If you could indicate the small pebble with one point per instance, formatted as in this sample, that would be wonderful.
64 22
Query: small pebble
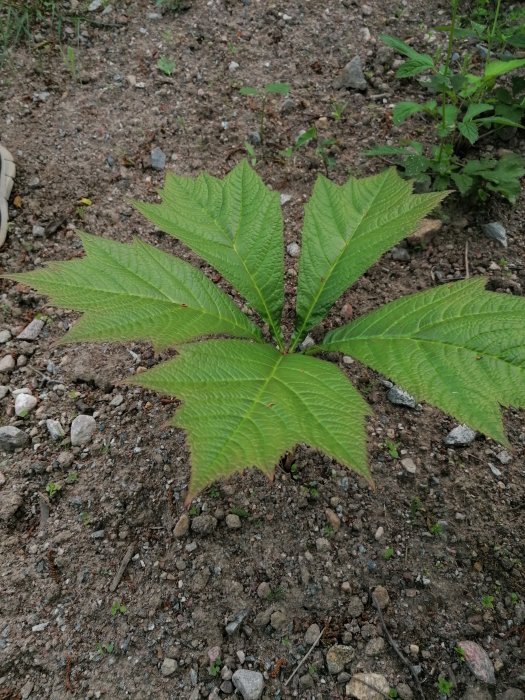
379 533
24 404
7 364
182 527
82 429
250 684
311 634
400 397
5 336
460 436
158 158
55 429
169 666
11 438
409 465
233 522
496 231
293 250
32 331
203 524
381 596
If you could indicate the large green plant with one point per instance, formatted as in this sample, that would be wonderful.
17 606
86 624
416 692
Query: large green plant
247 399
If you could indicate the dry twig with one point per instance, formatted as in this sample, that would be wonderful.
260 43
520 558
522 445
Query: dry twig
301 662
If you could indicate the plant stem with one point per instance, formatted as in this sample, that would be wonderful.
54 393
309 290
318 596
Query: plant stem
493 31
450 46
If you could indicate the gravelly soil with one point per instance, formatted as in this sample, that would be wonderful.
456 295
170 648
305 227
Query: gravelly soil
311 546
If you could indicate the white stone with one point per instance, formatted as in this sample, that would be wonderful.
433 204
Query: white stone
24 404
32 330
169 666
250 684
82 429
293 250
55 429
368 686
5 336
7 363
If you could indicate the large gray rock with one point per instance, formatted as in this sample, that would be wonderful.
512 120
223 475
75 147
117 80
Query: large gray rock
460 436
250 684
11 438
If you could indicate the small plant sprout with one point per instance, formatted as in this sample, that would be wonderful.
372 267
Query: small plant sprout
166 65
249 388
214 668
338 110
460 652
444 686
514 598
240 512
392 448
388 553
263 94
53 489
250 150
72 477
436 529
118 608
104 648
487 601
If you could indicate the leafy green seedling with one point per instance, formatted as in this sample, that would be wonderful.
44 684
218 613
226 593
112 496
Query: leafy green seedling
53 489
388 553
240 512
338 110
105 648
444 686
72 477
487 601
248 392
276 594
118 608
214 669
514 598
392 448
460 652
436 529
263 94
166 65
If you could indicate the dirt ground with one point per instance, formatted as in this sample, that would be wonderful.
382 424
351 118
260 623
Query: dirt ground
446 539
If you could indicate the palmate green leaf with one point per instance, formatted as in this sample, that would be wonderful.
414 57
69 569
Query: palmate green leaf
457 346
245 404
136 292
346 229
236 225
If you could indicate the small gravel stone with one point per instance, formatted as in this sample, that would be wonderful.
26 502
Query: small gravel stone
337 657
233 522
351 76
263 590
4 390
400 397
9 503
11 438
504 457
379 533
496 231
158 159
237 621
409 465
404 691
226 687
322 544
2 479
233 66
82 429
203 524
5 336
117 400
254 137
279 621
460 436
7 364
169 666
55 429
32 331
375 646
306 681
182 527
287 106
513 694
368 686
400 254
333 519
311 634
24 404
381 595
39 231
250 684
355 606
293 250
